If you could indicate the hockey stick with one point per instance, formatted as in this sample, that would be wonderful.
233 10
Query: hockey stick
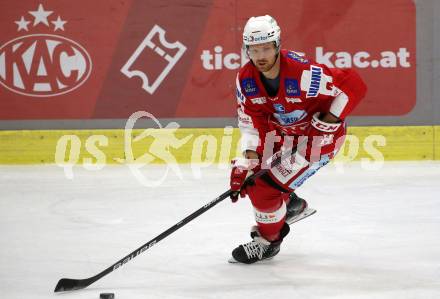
68 284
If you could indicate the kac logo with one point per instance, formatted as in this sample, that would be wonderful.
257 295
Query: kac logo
43 65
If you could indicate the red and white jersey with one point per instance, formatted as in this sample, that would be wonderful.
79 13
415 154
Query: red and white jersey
305 88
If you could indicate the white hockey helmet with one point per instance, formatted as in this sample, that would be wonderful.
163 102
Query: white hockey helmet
260 30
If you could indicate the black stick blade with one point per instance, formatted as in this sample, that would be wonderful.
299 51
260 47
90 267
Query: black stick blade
67 284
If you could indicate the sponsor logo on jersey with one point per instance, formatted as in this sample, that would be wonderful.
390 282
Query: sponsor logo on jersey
261 100
249 86
240 96
279 108
315 81
291 117
293 100
292 87
295 56
243 118
43 64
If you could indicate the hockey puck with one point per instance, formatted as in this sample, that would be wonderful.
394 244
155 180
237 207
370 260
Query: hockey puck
107 296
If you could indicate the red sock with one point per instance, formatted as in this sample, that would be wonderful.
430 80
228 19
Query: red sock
270 208
270 222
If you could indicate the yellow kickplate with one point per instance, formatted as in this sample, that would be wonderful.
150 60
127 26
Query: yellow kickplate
211 145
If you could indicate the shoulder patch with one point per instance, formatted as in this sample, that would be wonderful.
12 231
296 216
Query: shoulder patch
295 56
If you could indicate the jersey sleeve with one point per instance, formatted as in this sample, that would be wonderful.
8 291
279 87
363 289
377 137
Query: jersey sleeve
252 122
352 90
344 87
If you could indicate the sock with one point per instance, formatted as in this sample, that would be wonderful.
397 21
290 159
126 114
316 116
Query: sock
271 221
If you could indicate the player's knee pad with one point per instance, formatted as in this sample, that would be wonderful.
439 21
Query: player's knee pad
265 197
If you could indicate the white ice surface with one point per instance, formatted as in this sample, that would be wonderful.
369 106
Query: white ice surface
376 235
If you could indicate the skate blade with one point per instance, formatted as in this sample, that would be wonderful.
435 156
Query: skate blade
306 213
234 261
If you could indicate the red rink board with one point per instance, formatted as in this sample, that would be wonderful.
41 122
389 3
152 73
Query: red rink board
112 58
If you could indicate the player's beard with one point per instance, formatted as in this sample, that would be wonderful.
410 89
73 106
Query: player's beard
264 65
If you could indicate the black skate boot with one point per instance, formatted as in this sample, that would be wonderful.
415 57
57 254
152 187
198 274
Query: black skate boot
259 248
297 209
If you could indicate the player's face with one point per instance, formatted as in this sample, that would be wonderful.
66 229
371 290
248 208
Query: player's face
263 56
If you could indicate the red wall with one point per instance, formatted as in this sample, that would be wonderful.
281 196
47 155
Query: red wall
81 69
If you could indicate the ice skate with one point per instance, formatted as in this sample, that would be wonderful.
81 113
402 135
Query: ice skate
258 249
297 209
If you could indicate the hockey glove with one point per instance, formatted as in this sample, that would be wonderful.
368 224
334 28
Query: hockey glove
324 138
242 168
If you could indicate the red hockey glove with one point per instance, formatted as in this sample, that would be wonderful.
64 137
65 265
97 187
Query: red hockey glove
324 139
242 168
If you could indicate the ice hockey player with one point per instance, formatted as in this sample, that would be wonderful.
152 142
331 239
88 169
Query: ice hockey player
285 100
